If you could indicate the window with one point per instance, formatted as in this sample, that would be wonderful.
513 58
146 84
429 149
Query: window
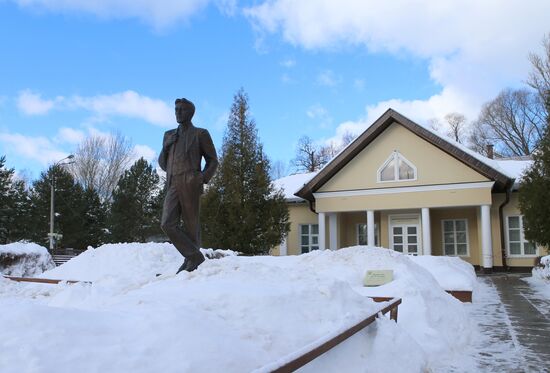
396 168
517 244
362 237
455 237
309 237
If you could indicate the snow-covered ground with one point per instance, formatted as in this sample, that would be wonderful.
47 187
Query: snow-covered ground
233 314
24 259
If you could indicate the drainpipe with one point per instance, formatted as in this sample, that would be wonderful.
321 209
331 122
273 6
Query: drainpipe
509 187
311 207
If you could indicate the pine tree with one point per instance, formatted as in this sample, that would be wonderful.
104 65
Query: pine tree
14 206
241 210
95 219
533 198
70 209
5 199
134 210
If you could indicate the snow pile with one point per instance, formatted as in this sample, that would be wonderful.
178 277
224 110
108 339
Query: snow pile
24 259
452 273
542 270
233 314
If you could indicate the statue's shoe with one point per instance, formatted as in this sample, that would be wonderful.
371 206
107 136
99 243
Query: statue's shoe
194 262
183 266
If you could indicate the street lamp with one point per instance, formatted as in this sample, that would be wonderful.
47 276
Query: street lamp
52 187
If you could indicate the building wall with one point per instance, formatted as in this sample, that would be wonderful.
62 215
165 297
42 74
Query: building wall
409 200
433 165
299 213
347 234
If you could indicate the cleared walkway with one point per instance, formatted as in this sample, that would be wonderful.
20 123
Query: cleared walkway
515 326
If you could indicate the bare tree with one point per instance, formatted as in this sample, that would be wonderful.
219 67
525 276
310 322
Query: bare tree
308 156
100 161
513 121
539 77
278 169
458 126
347 138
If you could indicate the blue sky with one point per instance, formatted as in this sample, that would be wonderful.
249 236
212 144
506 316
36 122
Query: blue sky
69 69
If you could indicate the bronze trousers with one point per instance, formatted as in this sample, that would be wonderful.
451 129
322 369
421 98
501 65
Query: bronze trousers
183 201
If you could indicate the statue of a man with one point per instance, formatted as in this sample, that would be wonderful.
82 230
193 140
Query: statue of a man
182 151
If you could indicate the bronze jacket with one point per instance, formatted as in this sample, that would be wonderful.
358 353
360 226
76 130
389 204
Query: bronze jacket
185 156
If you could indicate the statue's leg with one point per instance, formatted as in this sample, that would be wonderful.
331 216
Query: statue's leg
171 212
189 195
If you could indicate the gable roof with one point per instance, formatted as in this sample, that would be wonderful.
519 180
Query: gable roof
485 166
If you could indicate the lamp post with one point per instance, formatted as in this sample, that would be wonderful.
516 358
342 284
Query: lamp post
52 198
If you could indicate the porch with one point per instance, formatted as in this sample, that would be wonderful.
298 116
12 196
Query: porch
463 231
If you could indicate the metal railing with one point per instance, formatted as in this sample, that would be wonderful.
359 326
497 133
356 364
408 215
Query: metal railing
298 359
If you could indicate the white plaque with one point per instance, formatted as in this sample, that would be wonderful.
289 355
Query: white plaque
378 277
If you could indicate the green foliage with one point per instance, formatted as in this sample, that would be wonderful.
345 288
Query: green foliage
14 206
534 198
240 209
136 205
70 209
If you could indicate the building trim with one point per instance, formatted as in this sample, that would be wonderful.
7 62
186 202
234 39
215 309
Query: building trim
410 189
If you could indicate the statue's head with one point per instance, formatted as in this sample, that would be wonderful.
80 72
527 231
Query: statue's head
184 110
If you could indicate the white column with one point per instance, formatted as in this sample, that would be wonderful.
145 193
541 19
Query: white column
333 230
426 232
370 227
283 249
322 244
486 240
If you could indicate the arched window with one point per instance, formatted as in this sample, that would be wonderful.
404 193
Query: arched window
396 168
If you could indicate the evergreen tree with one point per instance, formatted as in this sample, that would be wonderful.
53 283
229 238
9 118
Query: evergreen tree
533 199
134 210
14 206
95 219
69 206
241 210
5 199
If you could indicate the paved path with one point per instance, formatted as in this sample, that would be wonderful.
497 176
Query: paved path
515 326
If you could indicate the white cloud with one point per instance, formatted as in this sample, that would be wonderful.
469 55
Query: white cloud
146 152
159 13
288 63
359 84
69 135
473 48
128 104
39 149
321 115
31 103
328 78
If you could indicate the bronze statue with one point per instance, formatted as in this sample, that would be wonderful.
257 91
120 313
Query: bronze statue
182 151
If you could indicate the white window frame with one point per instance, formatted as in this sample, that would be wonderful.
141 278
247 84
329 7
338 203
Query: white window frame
395 155
310 235
376 234
467 255
522 239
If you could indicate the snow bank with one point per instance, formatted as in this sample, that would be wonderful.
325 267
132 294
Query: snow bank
540 281
233 314
452 273
542 271
24 259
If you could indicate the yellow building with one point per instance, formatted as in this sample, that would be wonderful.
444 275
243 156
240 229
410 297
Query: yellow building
401 186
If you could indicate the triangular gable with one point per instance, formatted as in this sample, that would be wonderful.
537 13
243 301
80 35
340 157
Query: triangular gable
380 125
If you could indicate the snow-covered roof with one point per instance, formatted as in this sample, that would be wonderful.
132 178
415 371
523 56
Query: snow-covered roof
291 184
515 168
